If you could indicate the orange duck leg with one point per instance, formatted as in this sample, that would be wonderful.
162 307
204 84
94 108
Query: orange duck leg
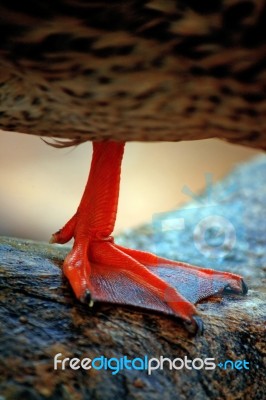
100 270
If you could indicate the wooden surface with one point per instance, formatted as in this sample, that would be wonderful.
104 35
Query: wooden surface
39 317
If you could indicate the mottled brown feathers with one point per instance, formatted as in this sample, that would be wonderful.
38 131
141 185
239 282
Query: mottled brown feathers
134 70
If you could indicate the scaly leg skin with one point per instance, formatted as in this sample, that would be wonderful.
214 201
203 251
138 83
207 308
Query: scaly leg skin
100 270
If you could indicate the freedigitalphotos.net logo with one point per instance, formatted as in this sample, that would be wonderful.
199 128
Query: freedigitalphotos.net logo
207 222
145 363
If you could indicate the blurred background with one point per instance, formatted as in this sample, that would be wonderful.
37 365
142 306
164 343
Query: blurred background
41 186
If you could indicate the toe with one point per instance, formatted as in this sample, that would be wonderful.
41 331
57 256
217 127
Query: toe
195 325
238 287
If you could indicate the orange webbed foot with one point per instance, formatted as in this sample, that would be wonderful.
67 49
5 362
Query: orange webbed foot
100 270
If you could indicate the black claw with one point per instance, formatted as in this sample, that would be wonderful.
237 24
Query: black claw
244 287
86 298
195 326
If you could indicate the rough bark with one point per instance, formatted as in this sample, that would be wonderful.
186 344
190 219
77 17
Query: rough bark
39 317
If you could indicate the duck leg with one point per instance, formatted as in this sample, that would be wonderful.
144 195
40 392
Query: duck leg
100 270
